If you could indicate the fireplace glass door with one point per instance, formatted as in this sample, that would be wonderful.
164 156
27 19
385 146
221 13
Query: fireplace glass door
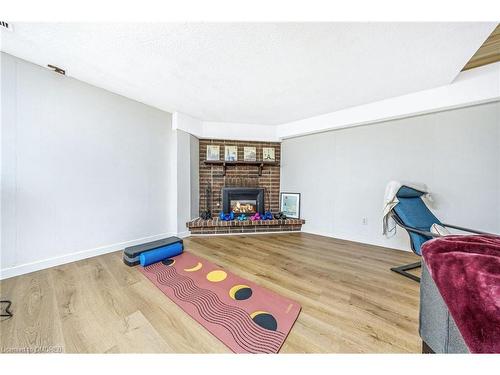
243 200
244 206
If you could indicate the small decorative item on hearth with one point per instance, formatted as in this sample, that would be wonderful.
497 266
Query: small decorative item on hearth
207 214
280 216
255 217
226 217
290 204
267 216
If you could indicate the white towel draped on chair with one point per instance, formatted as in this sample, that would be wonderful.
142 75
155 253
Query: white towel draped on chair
390 201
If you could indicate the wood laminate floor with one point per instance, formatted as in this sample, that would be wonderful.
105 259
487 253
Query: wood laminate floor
351 301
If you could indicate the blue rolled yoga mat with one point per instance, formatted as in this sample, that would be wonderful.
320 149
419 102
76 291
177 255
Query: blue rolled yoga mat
157 255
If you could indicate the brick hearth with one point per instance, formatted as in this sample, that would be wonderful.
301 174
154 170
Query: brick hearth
217 226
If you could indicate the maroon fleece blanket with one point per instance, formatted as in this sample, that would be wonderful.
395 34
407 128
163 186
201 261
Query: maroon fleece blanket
466 270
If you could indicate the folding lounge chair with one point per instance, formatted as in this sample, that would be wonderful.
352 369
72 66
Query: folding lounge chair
414 216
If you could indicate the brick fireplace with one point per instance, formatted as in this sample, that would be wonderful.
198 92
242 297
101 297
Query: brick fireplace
252 186
241 175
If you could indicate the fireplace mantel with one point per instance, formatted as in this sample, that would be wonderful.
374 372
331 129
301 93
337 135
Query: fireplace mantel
225 164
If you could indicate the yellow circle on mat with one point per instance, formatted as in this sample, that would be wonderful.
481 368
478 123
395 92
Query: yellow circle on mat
216 276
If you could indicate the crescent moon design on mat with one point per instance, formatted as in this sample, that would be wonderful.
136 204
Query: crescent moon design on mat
240 292
195 268
265 320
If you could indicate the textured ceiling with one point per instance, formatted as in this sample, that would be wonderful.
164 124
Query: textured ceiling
264 73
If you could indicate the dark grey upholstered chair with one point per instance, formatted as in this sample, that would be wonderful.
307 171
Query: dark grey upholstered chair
437 328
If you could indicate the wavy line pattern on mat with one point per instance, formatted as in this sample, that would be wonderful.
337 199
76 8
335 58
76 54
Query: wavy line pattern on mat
246 333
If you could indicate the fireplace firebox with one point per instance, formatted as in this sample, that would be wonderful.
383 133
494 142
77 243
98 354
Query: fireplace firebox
242 200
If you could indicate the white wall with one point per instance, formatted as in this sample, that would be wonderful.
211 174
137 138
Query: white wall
342 174
183 181
188 124
195 176
84 171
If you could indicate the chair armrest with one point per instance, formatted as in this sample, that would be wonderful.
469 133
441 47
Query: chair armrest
464 229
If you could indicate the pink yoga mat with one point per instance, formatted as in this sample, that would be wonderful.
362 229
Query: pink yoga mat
244 316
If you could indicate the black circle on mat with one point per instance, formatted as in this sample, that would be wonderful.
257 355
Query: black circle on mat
242 294
266 321
167 262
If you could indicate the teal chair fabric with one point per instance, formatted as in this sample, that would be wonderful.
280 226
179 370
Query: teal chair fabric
413 212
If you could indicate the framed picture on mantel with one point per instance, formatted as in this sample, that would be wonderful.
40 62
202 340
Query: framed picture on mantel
290 204
213 152
249 153
231 153
268 154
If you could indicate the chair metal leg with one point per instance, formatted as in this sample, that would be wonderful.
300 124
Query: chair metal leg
426 349
402 270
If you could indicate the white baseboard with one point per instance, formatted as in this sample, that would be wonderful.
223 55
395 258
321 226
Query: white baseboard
375 243
184 234
22 269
